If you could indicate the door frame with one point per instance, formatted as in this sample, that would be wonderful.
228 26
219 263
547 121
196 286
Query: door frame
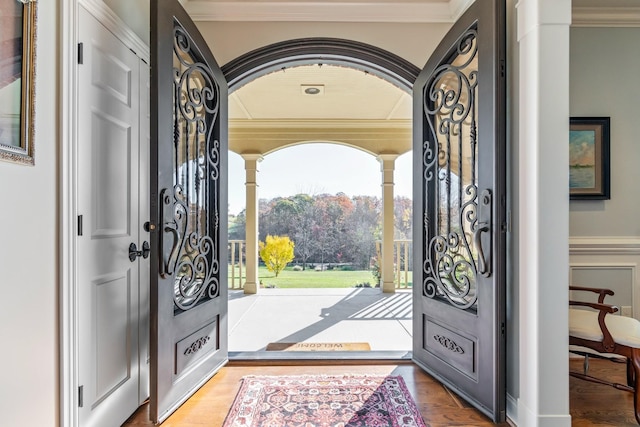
312 51
67 181
320 50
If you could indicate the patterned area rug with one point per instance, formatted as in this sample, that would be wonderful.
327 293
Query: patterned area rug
324 401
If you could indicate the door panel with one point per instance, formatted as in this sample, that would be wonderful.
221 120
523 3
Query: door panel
108 282
460 220
189 210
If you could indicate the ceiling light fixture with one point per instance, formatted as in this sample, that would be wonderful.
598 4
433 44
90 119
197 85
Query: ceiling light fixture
312 89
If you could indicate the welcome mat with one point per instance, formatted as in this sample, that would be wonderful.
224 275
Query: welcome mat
318 346
323 401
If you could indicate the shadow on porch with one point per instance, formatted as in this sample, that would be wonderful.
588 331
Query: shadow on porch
382 320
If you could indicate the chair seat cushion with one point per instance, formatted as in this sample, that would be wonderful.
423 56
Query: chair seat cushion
584 324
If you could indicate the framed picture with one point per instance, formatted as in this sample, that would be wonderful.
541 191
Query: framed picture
17 72
589 158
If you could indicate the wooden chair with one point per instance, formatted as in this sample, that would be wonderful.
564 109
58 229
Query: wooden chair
595 332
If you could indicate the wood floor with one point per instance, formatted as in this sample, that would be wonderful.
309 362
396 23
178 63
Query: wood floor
599 405
591 404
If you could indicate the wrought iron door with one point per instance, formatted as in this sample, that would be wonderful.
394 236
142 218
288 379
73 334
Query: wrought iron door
188 205
460 220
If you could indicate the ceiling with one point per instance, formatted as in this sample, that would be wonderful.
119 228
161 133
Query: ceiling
351 107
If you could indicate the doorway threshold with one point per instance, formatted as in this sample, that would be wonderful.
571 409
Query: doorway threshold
285 356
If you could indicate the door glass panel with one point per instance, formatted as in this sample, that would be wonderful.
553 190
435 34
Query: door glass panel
451 170
196 154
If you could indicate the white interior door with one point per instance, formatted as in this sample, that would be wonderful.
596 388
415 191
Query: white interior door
109 316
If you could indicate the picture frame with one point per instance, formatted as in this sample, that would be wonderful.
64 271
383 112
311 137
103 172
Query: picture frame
17 80
589 158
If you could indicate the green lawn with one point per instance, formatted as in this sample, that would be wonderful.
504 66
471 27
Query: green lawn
314 279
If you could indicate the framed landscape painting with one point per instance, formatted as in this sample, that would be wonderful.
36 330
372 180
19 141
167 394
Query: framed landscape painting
17 72
589 158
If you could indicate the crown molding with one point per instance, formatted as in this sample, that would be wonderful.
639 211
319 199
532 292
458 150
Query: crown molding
280 11
458 7
606 17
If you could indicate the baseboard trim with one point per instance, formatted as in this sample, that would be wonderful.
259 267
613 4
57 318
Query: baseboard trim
512 410
527 418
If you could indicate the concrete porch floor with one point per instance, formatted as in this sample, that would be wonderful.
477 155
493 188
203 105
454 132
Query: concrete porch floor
320 316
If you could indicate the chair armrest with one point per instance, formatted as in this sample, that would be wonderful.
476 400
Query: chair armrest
597 306
603 310
603 292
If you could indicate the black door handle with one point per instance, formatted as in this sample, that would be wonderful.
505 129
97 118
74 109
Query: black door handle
135 253
484 226
483 267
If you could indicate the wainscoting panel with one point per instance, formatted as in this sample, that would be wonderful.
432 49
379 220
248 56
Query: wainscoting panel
608 262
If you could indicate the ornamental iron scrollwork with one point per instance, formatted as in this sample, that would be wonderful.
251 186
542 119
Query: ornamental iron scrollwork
448 343
193 260
197 345
450 175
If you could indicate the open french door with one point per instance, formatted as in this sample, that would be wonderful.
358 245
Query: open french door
188 210
460 210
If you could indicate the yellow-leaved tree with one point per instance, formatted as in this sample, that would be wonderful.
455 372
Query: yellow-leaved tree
276 252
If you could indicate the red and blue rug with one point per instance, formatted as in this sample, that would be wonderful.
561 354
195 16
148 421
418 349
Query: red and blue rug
323 401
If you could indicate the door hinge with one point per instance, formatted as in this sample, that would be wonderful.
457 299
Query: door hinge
79 225
81 396
80 53
502 328
503 68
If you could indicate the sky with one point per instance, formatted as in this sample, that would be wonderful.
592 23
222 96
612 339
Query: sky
315 169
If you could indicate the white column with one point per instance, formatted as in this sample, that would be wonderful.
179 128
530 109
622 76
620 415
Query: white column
542 211
387 162
251 237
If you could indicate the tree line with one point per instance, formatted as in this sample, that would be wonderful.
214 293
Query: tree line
325 228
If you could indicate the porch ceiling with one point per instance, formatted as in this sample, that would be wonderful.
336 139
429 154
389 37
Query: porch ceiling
353 107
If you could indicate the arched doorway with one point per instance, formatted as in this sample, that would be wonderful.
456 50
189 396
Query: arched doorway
335 54
334 65
317 50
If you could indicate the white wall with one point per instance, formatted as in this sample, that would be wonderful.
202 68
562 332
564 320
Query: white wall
605 63
28 263
413 42
605 234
